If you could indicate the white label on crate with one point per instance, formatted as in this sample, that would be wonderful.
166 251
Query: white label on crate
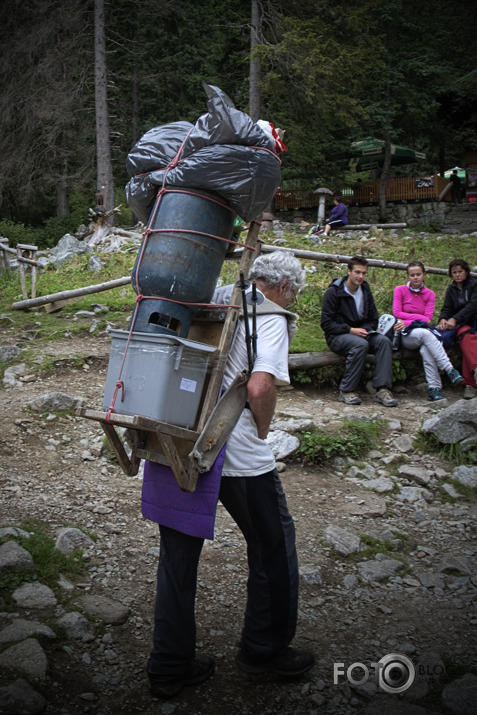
188 385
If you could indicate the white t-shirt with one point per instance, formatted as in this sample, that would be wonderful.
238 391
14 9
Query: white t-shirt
247 455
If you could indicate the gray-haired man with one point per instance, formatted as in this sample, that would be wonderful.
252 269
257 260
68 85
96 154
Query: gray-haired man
251 491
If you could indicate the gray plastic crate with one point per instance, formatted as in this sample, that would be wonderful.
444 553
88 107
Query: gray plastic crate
163 376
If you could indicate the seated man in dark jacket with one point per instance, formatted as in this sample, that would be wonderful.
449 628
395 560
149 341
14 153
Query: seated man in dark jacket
348 319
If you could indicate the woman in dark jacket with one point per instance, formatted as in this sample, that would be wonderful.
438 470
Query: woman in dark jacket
460 311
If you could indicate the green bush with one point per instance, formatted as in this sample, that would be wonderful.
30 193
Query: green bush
355 439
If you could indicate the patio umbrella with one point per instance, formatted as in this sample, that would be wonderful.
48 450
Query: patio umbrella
369 154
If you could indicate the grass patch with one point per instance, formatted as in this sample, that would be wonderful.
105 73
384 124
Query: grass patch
452 453
49 562
355 439
469 493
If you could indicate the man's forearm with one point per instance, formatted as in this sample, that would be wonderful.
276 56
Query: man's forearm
262 398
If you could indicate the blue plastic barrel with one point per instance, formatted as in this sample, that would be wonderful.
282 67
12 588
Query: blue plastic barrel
182 258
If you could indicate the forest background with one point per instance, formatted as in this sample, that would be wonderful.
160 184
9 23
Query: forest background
82 81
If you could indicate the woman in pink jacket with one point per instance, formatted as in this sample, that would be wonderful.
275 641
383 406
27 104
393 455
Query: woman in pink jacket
414 302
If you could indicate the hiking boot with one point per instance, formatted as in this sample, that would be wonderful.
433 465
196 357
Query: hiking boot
454 376
469 392
201 668
435 393
290 663
385 397
349 398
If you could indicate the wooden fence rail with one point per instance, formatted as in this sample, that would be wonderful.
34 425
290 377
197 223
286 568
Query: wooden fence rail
414 189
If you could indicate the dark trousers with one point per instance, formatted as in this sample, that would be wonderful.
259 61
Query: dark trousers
356 349
258 505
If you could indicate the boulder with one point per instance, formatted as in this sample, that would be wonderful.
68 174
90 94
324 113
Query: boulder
455 423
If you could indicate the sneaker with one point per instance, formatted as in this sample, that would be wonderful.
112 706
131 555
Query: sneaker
290 663
201 668
435 393
349 398
469 392
454 376
385 397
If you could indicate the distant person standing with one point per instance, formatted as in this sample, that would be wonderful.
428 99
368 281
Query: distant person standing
455 191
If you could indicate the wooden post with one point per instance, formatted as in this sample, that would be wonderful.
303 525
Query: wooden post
25 251
4 255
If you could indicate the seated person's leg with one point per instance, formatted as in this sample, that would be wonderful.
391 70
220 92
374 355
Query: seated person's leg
355 350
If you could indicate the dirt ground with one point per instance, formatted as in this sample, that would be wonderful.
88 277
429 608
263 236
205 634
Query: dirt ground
45 474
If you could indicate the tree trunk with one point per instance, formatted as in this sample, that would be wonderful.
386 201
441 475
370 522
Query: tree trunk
254 86
103 149
382 180
62 202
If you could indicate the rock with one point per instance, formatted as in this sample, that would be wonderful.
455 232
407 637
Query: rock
342 541
451 491
55 402
9 353
34 595
95 264
413 494
371 506
311 574
460 696
416 474
20 629
105 609
69 539
430 672
14 557
431 580
465 475
403 443
12 373
350 581
457 563
19 698
67 248
379 570
294 412
292 425
282 444
455 423
76 625
380 485
365 472
14 531
27 658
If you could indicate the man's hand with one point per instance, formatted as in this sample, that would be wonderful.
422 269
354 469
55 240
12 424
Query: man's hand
262 398
450 324
360 332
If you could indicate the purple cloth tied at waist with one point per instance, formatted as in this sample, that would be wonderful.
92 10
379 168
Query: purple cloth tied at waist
164 502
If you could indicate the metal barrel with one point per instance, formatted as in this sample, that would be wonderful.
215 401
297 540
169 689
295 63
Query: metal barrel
182 258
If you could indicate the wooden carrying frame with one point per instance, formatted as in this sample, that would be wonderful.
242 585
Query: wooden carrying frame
188 452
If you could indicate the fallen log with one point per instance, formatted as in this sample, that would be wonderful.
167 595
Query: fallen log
306 361
367 226
21 259
337 258
68 294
